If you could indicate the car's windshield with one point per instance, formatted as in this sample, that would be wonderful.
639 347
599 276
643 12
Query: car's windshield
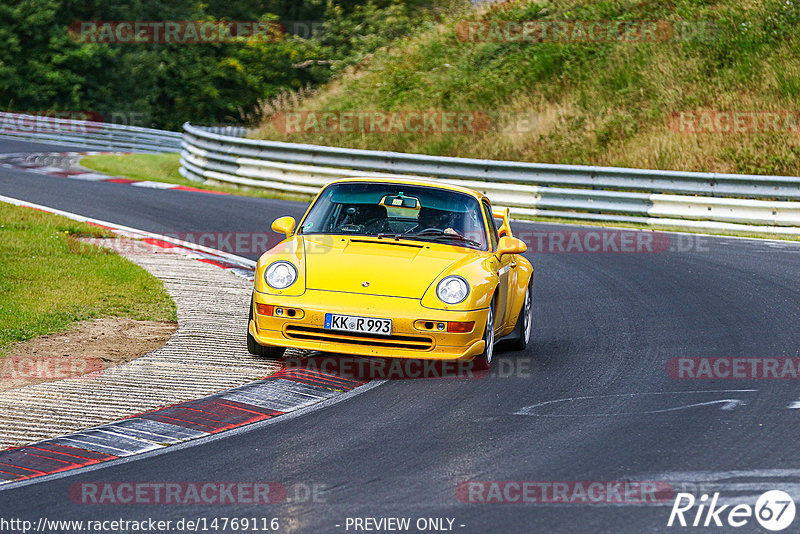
398 211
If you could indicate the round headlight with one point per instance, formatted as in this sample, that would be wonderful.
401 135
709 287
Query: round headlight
280 275
452 289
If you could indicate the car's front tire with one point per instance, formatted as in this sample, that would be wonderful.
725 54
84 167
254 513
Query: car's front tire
254 348
484 360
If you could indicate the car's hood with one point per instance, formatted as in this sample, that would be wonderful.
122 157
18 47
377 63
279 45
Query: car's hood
393 268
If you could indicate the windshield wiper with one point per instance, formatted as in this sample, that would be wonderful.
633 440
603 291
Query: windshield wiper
396 237
429 234
383 235
436 234
460 238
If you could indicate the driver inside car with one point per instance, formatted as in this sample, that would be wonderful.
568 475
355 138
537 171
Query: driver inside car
430 218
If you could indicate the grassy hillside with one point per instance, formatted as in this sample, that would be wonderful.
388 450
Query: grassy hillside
606 103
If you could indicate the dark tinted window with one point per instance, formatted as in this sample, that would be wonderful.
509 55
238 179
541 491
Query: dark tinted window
402 210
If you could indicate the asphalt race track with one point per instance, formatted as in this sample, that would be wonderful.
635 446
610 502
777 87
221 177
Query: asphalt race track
591 398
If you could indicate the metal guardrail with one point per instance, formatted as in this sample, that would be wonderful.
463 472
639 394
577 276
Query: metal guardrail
682 199
691 200
711 184
231 131
93 135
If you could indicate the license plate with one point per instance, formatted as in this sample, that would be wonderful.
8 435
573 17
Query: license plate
353 323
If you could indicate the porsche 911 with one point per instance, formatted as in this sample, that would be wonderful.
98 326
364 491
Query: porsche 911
393 268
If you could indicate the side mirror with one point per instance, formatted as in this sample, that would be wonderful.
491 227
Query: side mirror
284 225
510 245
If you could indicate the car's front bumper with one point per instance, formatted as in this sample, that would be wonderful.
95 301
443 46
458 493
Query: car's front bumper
409 339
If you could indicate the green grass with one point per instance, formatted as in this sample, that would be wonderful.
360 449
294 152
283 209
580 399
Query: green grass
155 167
49 280
596 103
164 168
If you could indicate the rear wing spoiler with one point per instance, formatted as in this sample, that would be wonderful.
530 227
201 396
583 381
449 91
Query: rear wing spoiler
503 214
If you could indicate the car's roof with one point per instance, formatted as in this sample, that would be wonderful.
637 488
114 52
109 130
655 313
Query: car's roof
412 181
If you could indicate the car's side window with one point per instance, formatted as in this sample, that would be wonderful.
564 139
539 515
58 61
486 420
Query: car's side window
487 212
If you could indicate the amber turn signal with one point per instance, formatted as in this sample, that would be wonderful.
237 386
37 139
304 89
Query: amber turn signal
460 327
264 309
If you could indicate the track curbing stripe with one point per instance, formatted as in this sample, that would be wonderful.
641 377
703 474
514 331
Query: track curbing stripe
257 401
289 390
21 162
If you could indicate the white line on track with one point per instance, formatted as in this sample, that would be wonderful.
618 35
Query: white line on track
133 232
136 233
200 441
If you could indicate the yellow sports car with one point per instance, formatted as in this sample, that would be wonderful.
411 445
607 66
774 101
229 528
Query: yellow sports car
393 268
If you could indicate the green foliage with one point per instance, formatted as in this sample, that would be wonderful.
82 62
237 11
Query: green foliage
42 69
605 102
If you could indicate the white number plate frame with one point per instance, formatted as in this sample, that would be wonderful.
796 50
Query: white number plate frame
355 323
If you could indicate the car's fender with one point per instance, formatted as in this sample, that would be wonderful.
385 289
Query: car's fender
479 273
524 275
291 250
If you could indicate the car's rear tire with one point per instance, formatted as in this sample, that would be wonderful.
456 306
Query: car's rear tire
254 348
522 330
484 360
